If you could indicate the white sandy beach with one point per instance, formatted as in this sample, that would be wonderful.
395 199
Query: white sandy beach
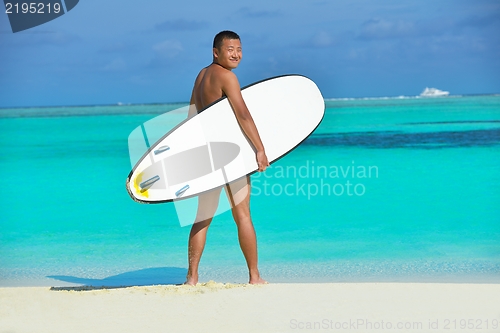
217 307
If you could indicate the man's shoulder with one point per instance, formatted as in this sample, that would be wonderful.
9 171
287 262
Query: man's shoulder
200 75
218 76
225 76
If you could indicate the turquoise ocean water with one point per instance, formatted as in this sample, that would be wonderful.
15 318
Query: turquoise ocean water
403 189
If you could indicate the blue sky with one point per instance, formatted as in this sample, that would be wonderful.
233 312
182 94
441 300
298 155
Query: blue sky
105 52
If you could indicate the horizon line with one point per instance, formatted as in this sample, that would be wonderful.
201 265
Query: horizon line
329 99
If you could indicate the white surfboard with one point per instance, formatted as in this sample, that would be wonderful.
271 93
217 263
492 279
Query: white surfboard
210 149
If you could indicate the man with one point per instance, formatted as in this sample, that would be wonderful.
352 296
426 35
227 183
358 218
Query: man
213 82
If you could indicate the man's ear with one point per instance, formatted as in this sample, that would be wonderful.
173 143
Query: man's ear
215 53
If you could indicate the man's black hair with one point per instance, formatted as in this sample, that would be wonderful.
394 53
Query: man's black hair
226 34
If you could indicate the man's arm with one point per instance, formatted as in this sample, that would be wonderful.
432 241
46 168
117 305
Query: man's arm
231 87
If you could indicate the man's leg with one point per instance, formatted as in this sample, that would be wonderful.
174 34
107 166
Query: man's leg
207 206
239 194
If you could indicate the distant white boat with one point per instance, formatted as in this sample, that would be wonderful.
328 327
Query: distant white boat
433 92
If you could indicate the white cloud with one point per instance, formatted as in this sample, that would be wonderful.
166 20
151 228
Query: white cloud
379 28
168 48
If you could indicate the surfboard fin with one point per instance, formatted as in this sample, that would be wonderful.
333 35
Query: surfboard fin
181 191
161 149
145 185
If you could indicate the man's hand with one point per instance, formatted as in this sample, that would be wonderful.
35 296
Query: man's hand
262 161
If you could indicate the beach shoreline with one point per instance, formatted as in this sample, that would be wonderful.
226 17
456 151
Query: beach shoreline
279 307
359 271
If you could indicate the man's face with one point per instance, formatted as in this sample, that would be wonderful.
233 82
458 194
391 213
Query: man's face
230 54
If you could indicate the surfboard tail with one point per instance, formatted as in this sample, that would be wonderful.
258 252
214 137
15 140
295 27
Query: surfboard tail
127 186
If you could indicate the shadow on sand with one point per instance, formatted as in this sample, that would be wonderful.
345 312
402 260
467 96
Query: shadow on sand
142 277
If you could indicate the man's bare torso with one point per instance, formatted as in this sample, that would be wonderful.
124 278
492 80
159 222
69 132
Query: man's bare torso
208 86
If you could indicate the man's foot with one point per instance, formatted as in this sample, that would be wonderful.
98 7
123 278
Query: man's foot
257 280
191 280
